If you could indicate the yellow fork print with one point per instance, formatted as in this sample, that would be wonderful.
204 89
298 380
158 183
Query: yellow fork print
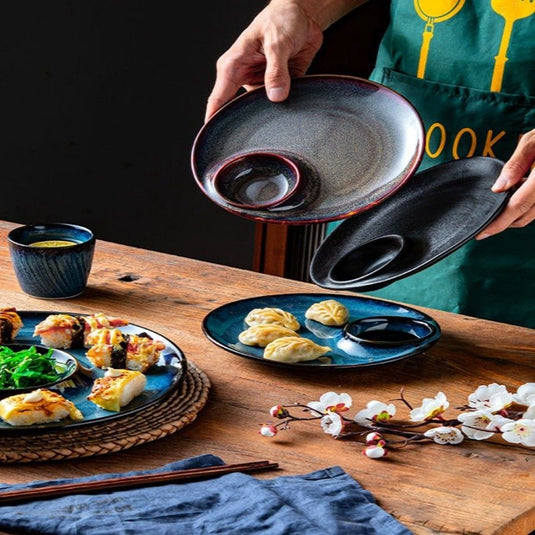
511 11
433 11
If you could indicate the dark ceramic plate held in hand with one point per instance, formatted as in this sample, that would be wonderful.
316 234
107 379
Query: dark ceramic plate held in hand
435 213
355 143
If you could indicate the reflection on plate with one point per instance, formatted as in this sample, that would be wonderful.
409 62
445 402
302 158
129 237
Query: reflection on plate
355 142
389 330
162 378
223 325
65 366
438 210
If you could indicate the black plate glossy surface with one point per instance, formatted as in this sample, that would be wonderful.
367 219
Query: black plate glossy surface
355 142
434 214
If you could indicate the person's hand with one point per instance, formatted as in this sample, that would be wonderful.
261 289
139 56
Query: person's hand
518 171
280 43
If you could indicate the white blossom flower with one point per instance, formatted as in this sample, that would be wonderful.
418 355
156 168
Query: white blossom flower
525 395
376 412
332 424
493 397
375 452
530 413
331 402
520 432
484 417
482 424
498 421
430 408
445 435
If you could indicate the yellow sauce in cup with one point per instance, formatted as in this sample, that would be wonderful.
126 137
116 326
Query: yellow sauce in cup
52 243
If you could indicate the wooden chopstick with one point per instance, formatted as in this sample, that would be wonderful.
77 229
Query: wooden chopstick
53 491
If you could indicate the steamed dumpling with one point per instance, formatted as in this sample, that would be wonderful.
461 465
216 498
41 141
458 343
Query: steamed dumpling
264 333
275 316
294 349
329 312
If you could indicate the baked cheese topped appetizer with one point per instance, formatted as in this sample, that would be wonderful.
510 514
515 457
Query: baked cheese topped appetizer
64 331
117 388
111 348
10 324
40 406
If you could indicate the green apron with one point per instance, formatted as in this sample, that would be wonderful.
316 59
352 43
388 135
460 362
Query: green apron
469 71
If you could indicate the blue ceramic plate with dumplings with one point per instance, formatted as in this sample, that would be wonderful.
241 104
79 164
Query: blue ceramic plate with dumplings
398 331
355 143
162 378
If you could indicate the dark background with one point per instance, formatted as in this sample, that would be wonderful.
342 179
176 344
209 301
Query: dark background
101 105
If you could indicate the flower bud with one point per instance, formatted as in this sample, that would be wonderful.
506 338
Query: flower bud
373 438
375 452
278 411
268 430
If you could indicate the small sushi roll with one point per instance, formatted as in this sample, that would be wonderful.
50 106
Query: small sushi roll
40 406
117 388
10 324
64 331
142 352
111 348
60 331
107 348
100 320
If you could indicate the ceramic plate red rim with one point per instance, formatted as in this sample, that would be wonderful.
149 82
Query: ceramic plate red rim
356 142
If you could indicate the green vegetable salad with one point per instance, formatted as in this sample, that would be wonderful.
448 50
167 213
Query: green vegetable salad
28 367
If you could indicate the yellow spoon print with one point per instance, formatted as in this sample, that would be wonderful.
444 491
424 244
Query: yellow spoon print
433 11
511 11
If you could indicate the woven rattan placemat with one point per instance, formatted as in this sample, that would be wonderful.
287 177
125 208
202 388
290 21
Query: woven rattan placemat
174 412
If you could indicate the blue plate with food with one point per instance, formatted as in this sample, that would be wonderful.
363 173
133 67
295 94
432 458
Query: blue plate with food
115 369
316 330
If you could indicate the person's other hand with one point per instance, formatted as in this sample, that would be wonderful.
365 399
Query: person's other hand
280 43
518 171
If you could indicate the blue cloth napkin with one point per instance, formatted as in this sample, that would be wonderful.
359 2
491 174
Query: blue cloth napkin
324 502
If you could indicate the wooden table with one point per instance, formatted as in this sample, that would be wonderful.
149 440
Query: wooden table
475 487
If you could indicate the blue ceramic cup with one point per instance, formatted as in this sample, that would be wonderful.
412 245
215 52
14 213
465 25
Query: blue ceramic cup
52 260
